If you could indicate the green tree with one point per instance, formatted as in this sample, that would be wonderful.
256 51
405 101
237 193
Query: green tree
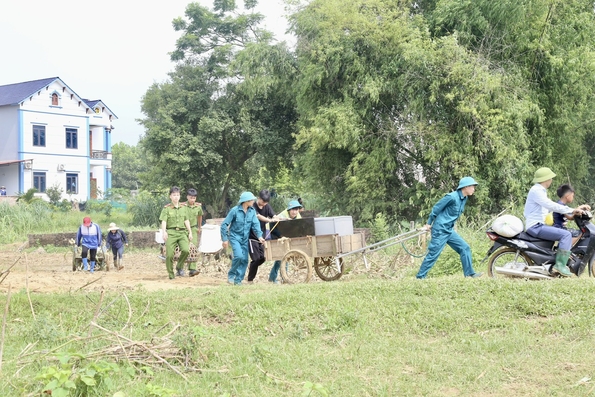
127 164
207 126
398 100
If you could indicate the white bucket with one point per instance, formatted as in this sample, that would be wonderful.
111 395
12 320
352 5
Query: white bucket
210 239
159 237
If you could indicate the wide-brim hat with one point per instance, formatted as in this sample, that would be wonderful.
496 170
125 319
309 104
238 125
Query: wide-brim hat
293 204
86 221
542 175
112 226
246 196
467 181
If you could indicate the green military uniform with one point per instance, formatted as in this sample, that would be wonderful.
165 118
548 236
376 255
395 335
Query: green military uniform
193 213
177 235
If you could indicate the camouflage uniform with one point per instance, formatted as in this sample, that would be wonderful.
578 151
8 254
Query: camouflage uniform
177 235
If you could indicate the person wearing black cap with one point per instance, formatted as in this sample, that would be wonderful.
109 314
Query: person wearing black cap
2 191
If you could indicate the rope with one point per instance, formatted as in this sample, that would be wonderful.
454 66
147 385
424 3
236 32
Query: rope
413 255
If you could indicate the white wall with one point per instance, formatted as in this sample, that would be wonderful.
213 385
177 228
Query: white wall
9 177
70 112
49 165
38 110
68 102
9 133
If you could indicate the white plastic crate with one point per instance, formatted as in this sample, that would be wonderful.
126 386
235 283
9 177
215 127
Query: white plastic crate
341 225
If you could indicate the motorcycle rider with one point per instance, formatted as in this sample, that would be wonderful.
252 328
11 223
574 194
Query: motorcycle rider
566 194
537 206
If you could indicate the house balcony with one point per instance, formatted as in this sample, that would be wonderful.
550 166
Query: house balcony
101 157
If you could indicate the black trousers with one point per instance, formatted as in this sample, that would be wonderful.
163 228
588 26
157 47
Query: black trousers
92 251
257 256
254 268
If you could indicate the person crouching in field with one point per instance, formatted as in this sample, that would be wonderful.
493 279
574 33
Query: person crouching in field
235 230
89 234
442 221
175 229
116 240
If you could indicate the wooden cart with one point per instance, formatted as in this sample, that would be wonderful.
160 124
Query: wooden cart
102 259
299 255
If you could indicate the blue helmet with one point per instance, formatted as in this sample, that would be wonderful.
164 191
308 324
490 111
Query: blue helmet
246 196
293 204
466 181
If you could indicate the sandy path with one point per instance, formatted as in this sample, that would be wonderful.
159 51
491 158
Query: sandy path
52 272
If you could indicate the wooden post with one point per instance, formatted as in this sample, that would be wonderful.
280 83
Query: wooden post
412 227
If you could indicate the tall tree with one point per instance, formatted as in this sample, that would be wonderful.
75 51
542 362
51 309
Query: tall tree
127 165
208 124
398 100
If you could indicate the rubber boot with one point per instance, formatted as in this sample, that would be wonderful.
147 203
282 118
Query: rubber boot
92 266
561 261
85 264
120 266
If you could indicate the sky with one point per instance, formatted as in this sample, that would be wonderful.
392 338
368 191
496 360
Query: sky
112 50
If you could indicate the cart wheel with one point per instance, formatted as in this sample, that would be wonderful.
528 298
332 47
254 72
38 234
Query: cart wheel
326 268
296 267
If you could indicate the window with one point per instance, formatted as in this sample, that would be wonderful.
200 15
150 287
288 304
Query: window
72 138
39 181
39 135
55 99
72 183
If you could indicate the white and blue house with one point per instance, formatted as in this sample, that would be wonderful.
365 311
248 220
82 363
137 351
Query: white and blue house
50 136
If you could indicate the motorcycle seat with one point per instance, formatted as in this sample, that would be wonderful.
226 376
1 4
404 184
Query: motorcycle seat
524 236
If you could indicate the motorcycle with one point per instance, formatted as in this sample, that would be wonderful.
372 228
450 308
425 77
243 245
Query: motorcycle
524 256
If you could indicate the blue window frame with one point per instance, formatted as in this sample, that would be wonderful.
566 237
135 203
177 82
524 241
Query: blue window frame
72 183
39 135
72 138
39 181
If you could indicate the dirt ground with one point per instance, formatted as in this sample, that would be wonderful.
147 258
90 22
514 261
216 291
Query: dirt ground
52 272
46 272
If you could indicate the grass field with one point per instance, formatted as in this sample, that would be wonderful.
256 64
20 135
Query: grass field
372 333
446 336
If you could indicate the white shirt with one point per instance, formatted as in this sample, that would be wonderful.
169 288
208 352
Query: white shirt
538 205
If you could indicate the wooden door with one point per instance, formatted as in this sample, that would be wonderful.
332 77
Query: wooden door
94 188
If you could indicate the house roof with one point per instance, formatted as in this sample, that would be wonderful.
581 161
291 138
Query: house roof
6 162
93 102
13 94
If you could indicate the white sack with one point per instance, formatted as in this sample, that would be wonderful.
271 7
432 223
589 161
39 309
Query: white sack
507 225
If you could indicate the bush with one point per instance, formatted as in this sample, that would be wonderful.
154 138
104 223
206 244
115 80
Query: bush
103 206
146 208
379 228
54 193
